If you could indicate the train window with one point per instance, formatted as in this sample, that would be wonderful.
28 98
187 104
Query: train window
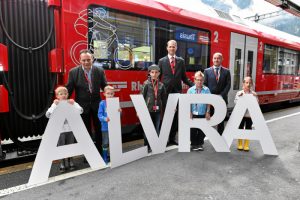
270 59
279 60
192 46
126 41
237 69
121 41
249 65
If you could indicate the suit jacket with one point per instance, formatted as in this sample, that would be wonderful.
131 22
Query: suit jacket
77 81
223 85
172 81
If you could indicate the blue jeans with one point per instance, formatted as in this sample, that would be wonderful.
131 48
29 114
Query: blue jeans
105 141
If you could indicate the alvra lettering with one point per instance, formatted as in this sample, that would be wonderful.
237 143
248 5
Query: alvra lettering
48 150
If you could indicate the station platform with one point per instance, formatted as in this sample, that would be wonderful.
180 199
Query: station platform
175 175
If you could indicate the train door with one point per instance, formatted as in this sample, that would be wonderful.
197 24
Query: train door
243 57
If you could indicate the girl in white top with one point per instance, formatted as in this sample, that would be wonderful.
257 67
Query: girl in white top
66 137
246 122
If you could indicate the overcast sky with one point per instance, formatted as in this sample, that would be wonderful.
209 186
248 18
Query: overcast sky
242 8
246 8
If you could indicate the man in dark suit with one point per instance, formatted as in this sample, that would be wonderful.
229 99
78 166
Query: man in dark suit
87 80
172 70
218 80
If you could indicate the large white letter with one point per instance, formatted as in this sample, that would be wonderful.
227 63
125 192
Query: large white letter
158 144
117 157
260 131
186 123
48 150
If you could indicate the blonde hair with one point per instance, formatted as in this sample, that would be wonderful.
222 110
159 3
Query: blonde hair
61 89
109 87
248 77
199 73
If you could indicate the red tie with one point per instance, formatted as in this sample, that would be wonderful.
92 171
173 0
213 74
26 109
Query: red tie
173 64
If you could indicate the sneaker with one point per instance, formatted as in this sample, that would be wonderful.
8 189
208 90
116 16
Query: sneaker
200 148
194 148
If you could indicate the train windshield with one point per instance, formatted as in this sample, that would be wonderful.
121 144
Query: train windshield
126 41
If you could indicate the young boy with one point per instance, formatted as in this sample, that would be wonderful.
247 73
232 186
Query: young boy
66 137
154 93
246 121
198 111
104 119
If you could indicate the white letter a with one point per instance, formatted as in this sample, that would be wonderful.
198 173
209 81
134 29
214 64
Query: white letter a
48 150
260 131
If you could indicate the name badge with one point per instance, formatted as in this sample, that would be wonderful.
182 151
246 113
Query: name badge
155 108
195 113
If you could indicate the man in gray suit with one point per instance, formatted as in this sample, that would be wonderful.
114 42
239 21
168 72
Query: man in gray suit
218 80
172 70
87 80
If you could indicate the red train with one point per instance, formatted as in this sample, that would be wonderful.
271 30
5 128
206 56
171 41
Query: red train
126 36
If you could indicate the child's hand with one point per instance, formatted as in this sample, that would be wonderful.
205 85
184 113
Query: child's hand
254 94
71 101
56 101
107 119
207 115
120 109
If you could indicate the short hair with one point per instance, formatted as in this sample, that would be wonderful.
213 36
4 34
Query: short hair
219 54
84 51
248 77
153 67
109 87
199 73
174 41
60 89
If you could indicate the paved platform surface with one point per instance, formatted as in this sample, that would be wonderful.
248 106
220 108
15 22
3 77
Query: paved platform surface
195 175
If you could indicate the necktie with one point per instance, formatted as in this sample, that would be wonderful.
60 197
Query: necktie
217 73
86 74
173 64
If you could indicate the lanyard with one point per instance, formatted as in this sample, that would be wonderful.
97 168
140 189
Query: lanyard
198 91
155 88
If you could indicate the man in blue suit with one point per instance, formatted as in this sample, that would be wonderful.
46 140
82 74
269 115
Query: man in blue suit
218 80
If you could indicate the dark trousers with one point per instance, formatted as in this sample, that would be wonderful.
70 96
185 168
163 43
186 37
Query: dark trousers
220 127
174 127
87 118
246 123
155 117
197 135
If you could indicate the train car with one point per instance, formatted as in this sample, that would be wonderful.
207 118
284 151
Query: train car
40 43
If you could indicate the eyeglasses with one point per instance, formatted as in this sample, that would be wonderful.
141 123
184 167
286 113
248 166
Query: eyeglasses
201 80
62 93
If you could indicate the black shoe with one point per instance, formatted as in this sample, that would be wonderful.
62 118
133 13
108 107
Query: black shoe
3 156
71 165
62 168
85 161
173 142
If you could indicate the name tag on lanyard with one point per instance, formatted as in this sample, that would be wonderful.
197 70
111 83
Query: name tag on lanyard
155 88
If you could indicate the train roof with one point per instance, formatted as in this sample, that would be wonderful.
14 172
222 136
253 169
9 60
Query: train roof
199 8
